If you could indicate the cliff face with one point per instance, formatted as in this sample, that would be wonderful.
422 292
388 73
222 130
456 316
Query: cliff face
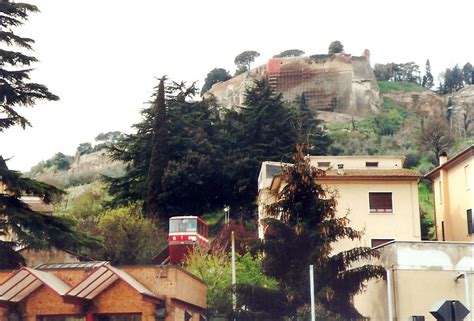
338 83
425 103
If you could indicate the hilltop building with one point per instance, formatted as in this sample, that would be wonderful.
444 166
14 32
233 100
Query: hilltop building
454 196
338 83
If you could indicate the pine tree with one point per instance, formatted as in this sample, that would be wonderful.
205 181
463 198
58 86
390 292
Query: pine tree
31 229
428 77
159 154
303 234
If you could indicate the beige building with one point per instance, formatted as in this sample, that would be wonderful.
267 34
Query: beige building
454 196
419 275
378 195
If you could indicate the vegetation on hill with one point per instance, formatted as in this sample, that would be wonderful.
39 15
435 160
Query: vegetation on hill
391 86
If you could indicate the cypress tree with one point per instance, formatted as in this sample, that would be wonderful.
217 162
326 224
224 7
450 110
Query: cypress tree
159 154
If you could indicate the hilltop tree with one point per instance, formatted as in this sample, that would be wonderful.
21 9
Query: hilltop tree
428 77
290 53
301 229
335 47
31 229
244 59
453 80
213 77
468 74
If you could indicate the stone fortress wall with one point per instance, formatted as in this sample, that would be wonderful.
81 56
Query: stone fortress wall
337 83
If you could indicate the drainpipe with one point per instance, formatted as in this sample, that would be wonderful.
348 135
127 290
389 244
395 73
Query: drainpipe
390 294
466 292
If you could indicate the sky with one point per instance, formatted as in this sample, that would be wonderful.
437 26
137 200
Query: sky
102 57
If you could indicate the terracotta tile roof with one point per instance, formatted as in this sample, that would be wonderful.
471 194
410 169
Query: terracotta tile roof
373 173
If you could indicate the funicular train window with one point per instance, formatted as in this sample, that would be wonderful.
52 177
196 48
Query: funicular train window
174 226
118 317
61 318
191 225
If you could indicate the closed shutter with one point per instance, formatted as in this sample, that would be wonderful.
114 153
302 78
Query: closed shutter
470 222
380 202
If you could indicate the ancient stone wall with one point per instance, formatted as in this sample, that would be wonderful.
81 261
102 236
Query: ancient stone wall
338 83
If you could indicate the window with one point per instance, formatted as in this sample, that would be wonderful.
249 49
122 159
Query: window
60 318
118 317
470 222
324 164
380 202
378 242
467 177
371 164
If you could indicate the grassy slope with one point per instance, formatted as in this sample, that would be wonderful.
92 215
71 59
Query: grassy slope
390 86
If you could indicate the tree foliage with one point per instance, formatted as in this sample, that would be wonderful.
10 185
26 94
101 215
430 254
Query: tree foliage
335 47
214 267
290 53
436 135
406 72
244 59
213 77
427 81
304 233
31 229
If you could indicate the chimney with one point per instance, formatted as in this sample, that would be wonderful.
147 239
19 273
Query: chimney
340 169
443 158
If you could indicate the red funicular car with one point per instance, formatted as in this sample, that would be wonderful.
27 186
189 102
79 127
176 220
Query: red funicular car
184 234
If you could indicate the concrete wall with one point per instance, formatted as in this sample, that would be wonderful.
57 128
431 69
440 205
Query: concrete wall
359 162
423 273
353 200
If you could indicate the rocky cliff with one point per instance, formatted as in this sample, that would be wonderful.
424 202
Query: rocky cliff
337 83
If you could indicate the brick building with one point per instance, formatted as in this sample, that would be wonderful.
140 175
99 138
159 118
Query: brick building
97 291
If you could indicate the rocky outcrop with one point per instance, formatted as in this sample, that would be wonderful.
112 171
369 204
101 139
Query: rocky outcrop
425 103
335 83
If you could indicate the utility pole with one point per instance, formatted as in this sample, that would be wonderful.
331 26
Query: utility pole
234 278
311 286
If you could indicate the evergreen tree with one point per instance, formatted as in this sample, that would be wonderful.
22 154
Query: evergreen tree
304 233
428 77
213 77
191 179
468 73
30 228
308 128
159 154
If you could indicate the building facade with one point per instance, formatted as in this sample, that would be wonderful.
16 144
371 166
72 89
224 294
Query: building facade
454 196
377 194
97 291
419 276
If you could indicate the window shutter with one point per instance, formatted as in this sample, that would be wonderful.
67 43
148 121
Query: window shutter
380 202
470 223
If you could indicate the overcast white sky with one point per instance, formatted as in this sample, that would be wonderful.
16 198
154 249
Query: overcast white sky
101 57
